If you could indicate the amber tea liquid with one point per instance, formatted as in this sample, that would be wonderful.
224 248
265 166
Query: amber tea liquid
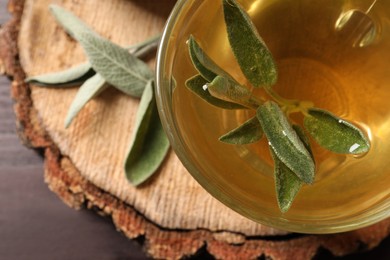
333 53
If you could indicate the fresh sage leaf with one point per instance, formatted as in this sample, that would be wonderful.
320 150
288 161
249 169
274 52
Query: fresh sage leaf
285 142
90 89
198 85
114 63
287 184
149 144
334 133
228 90
66 78
78 74
304 138
250 51
247 133
121 69
203 63
196 51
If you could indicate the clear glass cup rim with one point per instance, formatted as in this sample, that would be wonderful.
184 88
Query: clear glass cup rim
381 212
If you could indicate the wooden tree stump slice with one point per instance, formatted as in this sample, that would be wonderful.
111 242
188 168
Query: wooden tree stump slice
83 164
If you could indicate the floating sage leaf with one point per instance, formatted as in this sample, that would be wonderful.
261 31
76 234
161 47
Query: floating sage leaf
90 89
287 184
66 78
198 85
228 90
334 133
304 138
247 133
149 144
114 63
201 61
253 56
285 142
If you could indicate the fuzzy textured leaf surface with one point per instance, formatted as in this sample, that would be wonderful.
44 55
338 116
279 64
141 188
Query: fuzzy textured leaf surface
285 142
228 90
287 184
198 85
304 138
253 56
66 78
149 144
201 61
90 89
335 134
114 63
247 133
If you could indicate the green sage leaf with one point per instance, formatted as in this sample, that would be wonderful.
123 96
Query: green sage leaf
247 133
198 85
201 61
285 142
149 144
253 56
228 90
304 138
287 184
335 134
204 64
90 89
66 78
114 63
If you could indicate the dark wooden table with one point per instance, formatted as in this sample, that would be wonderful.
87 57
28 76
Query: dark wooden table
35 224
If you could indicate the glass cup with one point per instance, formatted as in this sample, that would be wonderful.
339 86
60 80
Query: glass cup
334 53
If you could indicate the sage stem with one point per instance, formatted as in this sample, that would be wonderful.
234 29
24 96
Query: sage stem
143 48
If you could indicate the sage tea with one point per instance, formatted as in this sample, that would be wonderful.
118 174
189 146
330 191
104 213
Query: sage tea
330 54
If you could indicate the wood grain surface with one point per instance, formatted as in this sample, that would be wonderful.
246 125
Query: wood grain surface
23 232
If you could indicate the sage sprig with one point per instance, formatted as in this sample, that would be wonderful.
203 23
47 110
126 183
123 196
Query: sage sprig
294 163
112 65
117 66
76 75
